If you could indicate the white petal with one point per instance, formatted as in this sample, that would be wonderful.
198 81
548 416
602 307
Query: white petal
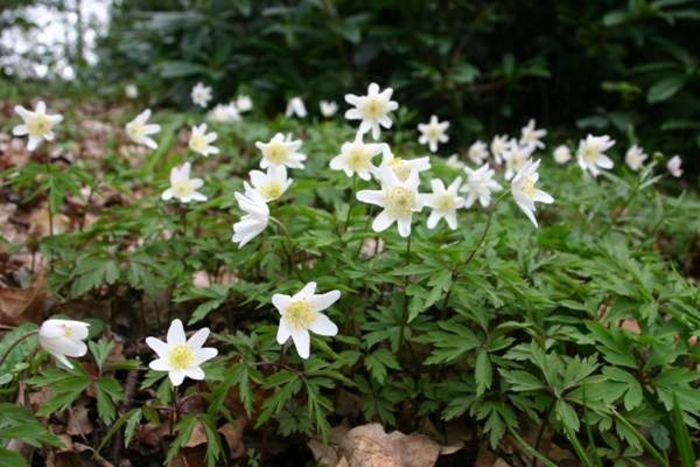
281 302
371 197
323 301
204 354
198 338
195 373
176 377
307 292
160 364
302 342
323 326
20 130
382 222
404 225
158 346
283 332
176 333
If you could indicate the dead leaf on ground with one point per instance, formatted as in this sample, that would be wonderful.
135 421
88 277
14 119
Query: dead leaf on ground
233 434
370 446
19 306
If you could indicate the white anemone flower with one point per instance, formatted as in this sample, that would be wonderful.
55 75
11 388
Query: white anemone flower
444 202
590 154
131 91
479 186
433 133
524 192
478 152
182 186
255 220
356 158
37 124
281 151
403 167
224 113
562 154
454 162
531 136
270 185
399 199
516 156
201 95
64 338
674 166
372 109
635 157
328 108
296 106
181 357
200 140
498 146
244 103
139 130
301 314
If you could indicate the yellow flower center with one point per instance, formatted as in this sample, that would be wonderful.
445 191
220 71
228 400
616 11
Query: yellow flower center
136 129
272 189
181 189
400 202
67 331
358 159
433 133
300 315
373 109
400 168
277 153
181 357
198 143
529 188
445 203
39 125
590 154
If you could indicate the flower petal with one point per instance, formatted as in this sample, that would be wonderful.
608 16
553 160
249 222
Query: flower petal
323 301
323 326
176 333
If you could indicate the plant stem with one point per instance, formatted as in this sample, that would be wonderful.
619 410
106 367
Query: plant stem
404 314
15 344
485 231
49 175
347 218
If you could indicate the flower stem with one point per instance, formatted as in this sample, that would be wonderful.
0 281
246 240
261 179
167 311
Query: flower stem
15 344
49 175
404 314
347 218
487 226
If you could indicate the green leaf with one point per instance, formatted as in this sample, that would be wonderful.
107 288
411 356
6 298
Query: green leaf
184 430
665 89
482 372
377 363
567 415
100 351
522 380
681 436
12 459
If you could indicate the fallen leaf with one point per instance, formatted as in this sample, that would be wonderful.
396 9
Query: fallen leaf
370 446
19 306
233 434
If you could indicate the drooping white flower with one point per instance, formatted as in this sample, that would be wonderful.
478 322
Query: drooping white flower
244 103
182 186
139 130
131 91
181 357
301 314
328 108
562 154
524 192
64 338
453 162
635 157
444 202
295 106
674 166
200 140
37 124
201 95
356 158
255 220
433 132
478 153
516 156
402 167
224 113
372 109
479 186
498 146
590 154
269 185
399 199
281 151
530 136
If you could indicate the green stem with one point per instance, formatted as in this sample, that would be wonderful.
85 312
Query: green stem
404 314
352 193
15 344
486 229
49 175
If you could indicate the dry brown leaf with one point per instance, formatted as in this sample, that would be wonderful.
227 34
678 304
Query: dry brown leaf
19 306
79 423
234 438
370 446
198 436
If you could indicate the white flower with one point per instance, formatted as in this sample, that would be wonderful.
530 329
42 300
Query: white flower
372 109
328 108
444 202
281 151
182 186
295 106
400 199
674 166
479 185
244 103
131 91
403 167
201 95
301 313
524 192
530 136
200 140
356 158
433 133
499 144
224 113
562 154
255 221
181 357
478 152
453 162
38 124
635 157
138 130
516 156
64 338
590 154
269 185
